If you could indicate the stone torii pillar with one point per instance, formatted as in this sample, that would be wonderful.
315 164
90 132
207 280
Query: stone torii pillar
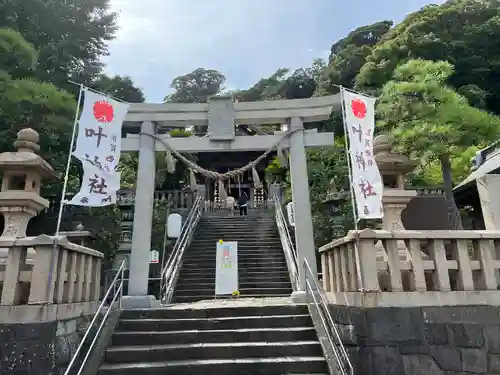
143 222
304 231
221 114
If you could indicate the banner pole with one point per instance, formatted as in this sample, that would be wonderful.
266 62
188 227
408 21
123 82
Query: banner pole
63 195
351 189
68 164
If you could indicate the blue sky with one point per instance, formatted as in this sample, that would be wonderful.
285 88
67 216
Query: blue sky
245 40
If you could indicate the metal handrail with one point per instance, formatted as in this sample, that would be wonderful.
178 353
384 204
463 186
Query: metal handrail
343 361
287 243
171 269
117 293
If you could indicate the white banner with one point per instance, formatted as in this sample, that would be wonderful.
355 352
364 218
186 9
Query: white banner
366 180
226 271
98 187
100 130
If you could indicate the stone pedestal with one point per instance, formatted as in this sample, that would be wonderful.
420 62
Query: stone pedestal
79 236
394 202
393 167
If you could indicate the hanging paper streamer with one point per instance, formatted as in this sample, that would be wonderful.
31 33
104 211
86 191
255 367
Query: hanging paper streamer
192 181
222 192
282 158
256 179
170 162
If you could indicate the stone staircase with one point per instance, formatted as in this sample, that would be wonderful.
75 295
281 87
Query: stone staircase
232 337
261 262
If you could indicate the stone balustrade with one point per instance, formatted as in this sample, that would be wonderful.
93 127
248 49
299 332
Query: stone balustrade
438 261
75 279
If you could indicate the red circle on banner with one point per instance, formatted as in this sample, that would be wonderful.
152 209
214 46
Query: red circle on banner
358 108
103 111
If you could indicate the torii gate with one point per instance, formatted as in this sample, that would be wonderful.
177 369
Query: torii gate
221 114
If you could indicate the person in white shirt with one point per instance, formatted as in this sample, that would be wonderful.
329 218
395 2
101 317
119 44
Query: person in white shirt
230 201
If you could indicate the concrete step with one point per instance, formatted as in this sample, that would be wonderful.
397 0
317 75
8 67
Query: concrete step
213 336
240 366
190 299
243 227
252 238
257 262
211 253
252 284
270 290
247 270
201 351
263 277
214 312
242 262
256 240
255 322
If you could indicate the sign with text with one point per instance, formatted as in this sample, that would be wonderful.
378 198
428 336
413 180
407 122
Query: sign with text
100 131
154 257
359 114
226 271
290 211
174 225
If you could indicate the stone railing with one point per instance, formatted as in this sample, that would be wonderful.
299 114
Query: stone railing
23 280
439 261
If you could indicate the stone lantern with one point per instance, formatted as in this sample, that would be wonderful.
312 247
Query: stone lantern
393 167
23 172
126 199
335 202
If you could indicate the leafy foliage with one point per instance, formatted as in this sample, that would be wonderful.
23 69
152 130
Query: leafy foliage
69 35
196 87
119 87
466 33
430 120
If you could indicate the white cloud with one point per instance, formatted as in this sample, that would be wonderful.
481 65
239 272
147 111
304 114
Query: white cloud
244 39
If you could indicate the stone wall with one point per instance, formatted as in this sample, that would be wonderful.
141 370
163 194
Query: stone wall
34 341
421 341
40 348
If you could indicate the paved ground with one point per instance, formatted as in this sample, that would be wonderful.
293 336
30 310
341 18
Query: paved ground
235 302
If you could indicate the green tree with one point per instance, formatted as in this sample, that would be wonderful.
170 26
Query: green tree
69 35
348 56
120 87
466 33
196 87
16 54
430 121
43 107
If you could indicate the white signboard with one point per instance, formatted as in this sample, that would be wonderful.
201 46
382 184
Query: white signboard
290 213
359 112
174 225
100 130
98 187
226 272
154 256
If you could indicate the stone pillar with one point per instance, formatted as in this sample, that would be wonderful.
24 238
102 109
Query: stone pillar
304 234
488 187
276 190
143 220
126 204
